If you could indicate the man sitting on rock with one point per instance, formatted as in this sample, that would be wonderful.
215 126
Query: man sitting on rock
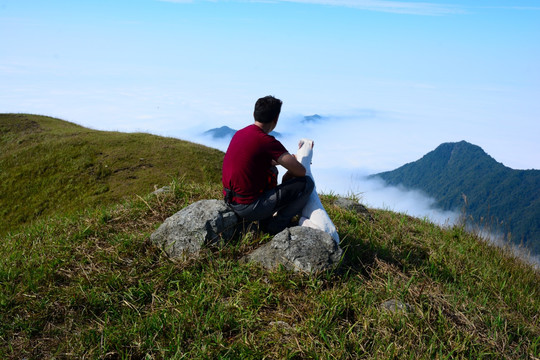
250 177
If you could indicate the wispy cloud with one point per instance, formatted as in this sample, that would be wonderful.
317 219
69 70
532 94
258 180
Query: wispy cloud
525 8
178 1
398 7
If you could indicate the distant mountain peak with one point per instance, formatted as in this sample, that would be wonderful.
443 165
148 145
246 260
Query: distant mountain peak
227 132
312 118
459 146
221 132
461 154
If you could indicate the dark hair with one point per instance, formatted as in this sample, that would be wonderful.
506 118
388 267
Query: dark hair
267 109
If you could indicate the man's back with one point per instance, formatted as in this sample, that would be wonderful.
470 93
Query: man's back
248 161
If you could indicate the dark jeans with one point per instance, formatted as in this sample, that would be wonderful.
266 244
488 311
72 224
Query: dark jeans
287 199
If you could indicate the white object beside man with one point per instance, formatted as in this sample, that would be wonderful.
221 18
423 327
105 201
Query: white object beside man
314 215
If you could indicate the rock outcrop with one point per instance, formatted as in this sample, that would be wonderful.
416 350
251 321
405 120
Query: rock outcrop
212 222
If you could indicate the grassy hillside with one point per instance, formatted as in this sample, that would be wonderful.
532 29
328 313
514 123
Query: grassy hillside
91 285
48 165
95 287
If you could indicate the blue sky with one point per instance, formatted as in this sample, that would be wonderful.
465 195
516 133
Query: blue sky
394 78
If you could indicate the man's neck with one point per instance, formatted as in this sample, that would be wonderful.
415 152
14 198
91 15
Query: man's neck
266 127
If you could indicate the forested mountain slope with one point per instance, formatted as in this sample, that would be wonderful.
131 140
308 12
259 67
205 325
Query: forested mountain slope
461 176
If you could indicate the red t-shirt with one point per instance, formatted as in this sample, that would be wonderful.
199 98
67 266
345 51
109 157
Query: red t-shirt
247 162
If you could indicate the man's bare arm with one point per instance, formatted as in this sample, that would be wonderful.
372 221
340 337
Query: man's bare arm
293 166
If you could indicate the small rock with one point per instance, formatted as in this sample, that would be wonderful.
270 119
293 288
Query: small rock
282 325
394 306
162 190
352 205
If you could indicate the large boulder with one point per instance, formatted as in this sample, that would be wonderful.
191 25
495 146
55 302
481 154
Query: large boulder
299 248
204 223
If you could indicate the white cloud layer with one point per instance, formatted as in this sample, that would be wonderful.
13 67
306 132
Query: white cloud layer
334 175
341 164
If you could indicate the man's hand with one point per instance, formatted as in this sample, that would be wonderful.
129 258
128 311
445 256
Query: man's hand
293 166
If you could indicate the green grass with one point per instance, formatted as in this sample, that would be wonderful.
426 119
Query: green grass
48 166
91 285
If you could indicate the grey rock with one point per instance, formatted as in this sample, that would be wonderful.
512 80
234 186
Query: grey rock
394 306
349 204
352 205
204 223
162 190
299 248
281 326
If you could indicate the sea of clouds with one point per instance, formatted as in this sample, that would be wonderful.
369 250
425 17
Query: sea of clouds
345 154
348 149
